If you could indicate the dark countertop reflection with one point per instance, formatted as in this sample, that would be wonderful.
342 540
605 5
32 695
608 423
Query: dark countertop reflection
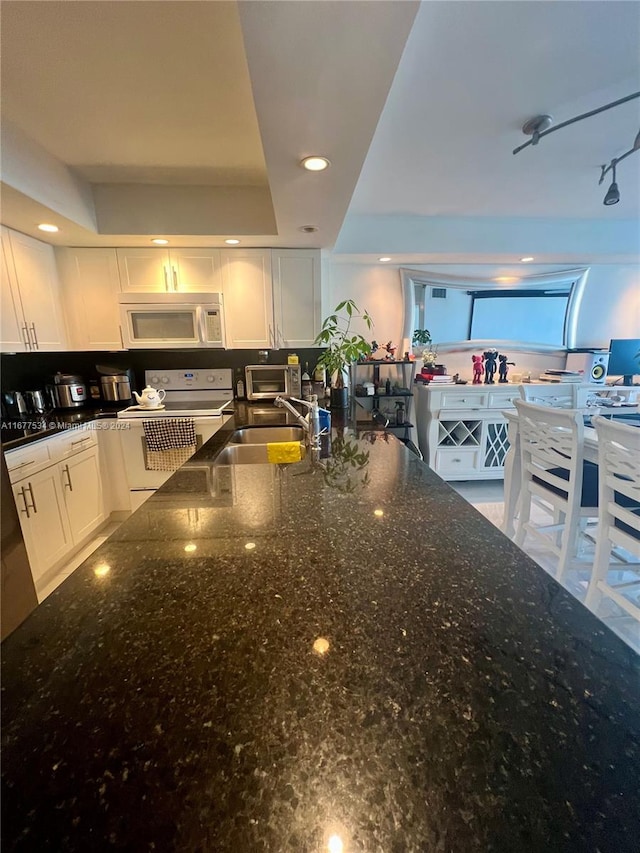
338 654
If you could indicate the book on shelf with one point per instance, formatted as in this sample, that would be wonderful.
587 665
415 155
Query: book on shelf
441 380
561 376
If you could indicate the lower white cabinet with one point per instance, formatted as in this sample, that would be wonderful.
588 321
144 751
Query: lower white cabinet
462 433
58 492
43 518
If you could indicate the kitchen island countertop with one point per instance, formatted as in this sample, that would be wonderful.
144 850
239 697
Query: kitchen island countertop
272 658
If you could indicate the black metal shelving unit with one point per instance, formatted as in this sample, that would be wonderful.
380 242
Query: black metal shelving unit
368 407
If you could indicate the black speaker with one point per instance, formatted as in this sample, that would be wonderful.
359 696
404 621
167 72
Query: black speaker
593 365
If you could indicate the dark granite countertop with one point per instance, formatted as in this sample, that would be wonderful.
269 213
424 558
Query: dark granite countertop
16 433
267 657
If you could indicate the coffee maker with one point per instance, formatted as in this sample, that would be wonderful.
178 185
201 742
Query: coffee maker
113 385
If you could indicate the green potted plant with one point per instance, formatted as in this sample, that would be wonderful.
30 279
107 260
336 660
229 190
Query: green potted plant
421 338
342 347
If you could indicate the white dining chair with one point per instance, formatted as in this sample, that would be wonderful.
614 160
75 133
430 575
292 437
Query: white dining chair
557 395
556 478
619 518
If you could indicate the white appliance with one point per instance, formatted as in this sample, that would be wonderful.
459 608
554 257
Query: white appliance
592 365
201 394
171 320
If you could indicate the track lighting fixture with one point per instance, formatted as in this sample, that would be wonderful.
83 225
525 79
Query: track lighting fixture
540 126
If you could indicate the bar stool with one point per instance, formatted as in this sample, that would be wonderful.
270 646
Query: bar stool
555 476
619 517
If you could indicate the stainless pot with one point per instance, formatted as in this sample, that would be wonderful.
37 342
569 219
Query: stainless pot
36 402
68 391
116 388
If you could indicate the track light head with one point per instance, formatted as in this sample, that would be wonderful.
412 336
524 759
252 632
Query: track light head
613 194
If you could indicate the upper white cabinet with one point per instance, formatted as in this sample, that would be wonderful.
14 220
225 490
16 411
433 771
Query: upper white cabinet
272 297
248 299
31 293
90 287
169 271
297 302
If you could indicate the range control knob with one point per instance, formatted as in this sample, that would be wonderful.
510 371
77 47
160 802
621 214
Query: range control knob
211 378
165 380
154 380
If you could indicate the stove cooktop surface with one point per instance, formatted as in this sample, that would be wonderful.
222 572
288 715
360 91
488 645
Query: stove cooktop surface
201 408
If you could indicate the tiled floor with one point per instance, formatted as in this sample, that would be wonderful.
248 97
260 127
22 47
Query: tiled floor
487 496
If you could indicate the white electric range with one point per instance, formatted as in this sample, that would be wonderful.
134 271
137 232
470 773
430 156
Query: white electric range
202 394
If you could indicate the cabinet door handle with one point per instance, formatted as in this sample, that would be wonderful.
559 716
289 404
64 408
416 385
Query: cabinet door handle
26 505
33 500
22 464
35 337
456 460
81 440
175 278
69 484
166 280
121 338
27 339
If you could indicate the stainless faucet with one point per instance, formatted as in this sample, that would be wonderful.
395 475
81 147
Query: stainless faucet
311 424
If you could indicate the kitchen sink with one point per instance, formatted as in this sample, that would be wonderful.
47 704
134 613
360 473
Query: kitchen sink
248 454
265 435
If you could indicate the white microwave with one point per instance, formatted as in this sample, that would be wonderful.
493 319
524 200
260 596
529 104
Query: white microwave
171 320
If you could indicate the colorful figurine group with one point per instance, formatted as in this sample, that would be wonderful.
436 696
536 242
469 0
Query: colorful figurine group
486 363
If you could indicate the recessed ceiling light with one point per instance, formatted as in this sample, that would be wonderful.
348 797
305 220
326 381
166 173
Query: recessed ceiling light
232 242
46 227
160 241
315 163
527 260
308 229
384 260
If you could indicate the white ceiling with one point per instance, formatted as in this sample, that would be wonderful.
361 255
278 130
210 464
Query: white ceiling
215 103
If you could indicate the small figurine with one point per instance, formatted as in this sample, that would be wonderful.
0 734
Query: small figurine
478 368
503 369
490 357
391 349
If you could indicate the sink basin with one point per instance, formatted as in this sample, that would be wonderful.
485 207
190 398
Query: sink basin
267 434
248 454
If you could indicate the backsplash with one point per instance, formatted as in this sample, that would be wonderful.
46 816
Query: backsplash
30 370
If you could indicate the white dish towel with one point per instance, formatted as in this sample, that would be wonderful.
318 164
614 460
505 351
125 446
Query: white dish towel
169 442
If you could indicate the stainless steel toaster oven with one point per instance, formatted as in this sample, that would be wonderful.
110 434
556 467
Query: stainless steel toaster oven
268 381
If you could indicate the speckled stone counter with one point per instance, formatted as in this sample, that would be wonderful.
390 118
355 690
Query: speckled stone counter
267 657
35 427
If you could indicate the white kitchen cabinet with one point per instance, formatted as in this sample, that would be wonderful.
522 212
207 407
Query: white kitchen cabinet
297 298
272 298
35 300
90 286
169 271
43 518
248 298
462 433
82 493
58 491
13 329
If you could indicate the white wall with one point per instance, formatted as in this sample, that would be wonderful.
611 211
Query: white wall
610 307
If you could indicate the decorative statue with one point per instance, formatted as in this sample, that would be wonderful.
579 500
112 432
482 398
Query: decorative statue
391 349
478 368
503 369
490 357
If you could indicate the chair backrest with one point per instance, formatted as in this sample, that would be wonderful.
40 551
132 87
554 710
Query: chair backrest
619 468
556 395
551 444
